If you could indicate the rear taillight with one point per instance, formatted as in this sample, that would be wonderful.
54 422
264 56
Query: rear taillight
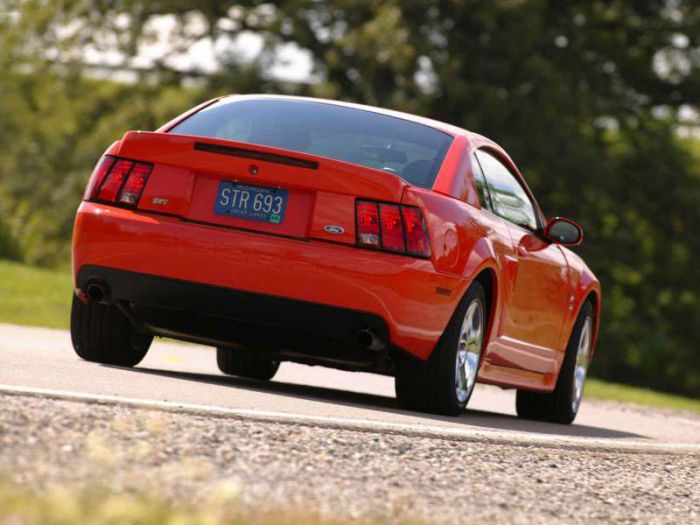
98 175
392 228
368 225
118 181
417 242
134 185
114 180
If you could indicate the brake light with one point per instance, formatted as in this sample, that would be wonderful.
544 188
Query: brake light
112 183
417 241
98 175
392 228
368 225
134 185
118 181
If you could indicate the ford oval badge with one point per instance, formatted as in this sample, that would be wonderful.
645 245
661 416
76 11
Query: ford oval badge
334 228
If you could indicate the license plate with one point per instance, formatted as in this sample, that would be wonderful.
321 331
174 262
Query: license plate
256 203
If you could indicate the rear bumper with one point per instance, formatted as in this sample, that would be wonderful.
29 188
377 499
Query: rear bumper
222 316
192 269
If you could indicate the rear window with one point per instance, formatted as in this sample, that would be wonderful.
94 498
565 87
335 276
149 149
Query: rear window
412 151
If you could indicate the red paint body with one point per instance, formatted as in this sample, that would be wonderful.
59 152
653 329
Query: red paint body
538 286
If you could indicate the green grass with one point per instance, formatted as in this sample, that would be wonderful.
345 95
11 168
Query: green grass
34 296
597 389
41 297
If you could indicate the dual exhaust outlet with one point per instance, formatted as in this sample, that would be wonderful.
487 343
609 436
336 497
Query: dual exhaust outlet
96 292
366 338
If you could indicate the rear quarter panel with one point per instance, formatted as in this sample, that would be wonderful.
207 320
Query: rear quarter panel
466 241
466 238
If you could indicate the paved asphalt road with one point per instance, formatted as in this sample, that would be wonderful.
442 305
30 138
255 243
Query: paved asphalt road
36 358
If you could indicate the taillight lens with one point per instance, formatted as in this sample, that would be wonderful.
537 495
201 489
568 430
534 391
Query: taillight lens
134 185
392 228
118 181
98 175
368 225
417 241
112 183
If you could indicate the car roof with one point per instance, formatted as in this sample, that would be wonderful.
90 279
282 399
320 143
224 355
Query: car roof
474 138
441 126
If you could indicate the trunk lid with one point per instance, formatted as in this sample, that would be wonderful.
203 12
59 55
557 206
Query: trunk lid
190 175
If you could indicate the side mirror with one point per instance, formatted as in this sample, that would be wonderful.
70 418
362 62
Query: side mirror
563 231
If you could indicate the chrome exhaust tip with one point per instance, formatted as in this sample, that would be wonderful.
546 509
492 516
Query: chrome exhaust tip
368 340
96 292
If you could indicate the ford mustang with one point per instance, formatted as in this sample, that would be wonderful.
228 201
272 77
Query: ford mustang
295 229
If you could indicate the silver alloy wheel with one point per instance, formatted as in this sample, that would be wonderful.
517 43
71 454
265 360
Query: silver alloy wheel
583 358
469 351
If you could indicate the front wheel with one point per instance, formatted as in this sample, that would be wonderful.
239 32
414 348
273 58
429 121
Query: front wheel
444 384
562 404
101 333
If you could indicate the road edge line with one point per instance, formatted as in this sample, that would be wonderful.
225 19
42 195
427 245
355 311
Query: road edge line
362 425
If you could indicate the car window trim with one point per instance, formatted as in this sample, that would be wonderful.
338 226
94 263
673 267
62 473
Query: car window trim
490 207
518 178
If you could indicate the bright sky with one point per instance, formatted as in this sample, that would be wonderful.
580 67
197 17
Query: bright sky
291 63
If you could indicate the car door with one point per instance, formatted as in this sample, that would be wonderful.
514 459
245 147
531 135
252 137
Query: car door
531 327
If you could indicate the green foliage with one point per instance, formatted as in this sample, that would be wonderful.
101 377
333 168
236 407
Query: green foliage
584 95
54 129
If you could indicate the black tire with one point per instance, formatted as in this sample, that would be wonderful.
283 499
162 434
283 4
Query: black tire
557 406
101 333
431 386
236 363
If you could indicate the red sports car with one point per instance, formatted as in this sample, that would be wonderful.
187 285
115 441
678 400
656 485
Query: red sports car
294 229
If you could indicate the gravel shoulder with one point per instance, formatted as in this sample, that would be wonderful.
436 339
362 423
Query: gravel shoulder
188 459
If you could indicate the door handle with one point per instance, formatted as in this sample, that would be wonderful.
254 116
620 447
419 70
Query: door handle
522 251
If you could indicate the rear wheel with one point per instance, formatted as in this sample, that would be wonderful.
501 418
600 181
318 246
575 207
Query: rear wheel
102 334
241 364
562 404
444 384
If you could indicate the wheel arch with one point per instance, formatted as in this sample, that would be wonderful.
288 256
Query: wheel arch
592 296
588 294
482 266
489 281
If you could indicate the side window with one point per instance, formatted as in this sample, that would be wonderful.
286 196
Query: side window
480 181
508 197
